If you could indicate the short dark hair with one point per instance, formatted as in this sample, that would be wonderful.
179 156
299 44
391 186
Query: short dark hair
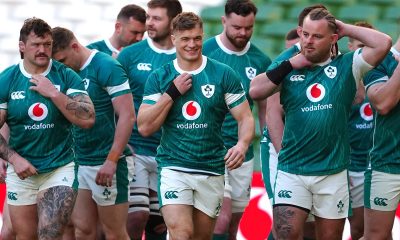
186 21
240 7
322 13
292 34
134 11
62 38
173 7
36 25
307 10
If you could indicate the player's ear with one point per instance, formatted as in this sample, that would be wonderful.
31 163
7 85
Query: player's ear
21 46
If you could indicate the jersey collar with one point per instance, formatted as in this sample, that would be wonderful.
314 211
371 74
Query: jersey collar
194 72
159 50
94 51
28 75
228 51
110 46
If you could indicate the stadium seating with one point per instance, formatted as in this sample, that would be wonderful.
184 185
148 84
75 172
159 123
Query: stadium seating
354 13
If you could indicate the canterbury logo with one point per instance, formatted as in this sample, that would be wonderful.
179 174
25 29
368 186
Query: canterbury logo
12 196
17 95
144 66
295 78
170 195
380 201
284 194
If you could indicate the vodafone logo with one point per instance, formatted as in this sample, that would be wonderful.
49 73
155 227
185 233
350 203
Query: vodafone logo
366 112
315 92
38 111
191 110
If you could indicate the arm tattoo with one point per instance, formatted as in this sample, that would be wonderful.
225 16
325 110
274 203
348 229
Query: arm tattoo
5 151
82 105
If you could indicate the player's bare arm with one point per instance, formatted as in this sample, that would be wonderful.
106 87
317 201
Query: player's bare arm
268 83
21 166
386 95
151 117
274 118
82 106
377 44
79 109
235 155
123 107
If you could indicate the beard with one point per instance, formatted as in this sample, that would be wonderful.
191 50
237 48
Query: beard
317 56
238 42
159 35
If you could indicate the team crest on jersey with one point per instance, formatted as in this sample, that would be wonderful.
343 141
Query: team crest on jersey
38 111
208 90
191 110
315 92
330 71
251 72
86 82
366 112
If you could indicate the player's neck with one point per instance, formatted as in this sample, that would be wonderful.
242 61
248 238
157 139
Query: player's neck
86 52
189 65
164 44
114 42
34 69
228 44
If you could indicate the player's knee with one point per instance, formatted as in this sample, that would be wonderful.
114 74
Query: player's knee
139 200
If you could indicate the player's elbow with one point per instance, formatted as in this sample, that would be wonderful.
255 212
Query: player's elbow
256 93
145 129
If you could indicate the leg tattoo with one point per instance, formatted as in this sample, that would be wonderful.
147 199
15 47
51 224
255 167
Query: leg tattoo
55 208
283 221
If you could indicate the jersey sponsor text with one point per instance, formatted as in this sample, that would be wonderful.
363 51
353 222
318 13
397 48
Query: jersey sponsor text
317 107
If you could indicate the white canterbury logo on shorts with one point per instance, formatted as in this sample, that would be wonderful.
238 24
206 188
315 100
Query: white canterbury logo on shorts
144 66
17 95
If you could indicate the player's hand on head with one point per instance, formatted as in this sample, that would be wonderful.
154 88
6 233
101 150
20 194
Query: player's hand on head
106 173
341 27
43 86
183 82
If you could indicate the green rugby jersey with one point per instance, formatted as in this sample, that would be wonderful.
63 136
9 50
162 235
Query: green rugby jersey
248 63
139 61
191 140
360 129
39 132
385 152
317 102
104 79
104 46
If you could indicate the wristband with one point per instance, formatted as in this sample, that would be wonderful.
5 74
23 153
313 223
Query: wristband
113 156
173 92
277 74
